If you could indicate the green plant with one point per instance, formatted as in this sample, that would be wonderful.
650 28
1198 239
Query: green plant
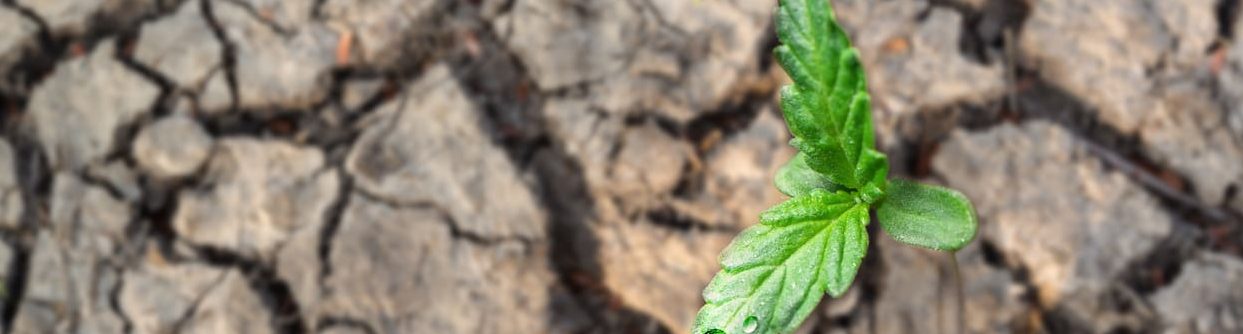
774 273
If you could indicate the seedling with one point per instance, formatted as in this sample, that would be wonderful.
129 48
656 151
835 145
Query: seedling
774 273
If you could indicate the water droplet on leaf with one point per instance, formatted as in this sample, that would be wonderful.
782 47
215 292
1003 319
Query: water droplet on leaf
750 324
714 331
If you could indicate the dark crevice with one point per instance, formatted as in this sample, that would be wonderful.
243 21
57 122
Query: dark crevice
275 292
36 61
498 83
970 43
228 51
336 212
15 283
670 218
99 182
996 19
330 322
35 184
317 9
923 132
992 256
1163 263
124 54
765 59
159 206
114 302
455 228
278 124
188 315
666 124
713 126
29 14
53 47
1227 15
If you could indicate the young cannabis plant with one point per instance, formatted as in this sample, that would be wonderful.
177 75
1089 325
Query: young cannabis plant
773 274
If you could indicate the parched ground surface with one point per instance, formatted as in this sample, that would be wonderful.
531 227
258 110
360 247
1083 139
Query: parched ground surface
533 166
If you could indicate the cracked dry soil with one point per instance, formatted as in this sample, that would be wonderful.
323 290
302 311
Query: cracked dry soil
540 166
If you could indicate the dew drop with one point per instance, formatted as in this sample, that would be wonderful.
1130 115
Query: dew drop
715 331
750 324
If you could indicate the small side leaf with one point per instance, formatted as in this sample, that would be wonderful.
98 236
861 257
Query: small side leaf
873 169
795 178
778 273
927 216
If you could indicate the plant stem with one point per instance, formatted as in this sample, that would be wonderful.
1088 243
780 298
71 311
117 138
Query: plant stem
962 314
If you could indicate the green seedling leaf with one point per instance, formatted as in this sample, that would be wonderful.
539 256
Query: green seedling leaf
795 178
827 108
773 274
927 216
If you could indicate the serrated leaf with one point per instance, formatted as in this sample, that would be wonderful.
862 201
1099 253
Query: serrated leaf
778 271
795 178
927 216
827 108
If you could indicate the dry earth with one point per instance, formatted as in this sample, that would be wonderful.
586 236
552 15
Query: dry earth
533 166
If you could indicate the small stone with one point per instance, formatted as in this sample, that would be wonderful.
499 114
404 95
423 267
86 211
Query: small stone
388 264
433 152
182 47
172 147
10 192
284 71
260 194
1076 235
77 110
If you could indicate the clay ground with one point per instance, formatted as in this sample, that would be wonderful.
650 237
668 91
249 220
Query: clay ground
557 166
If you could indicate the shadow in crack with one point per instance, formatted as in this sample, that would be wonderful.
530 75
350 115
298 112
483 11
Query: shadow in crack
581 303
498 83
